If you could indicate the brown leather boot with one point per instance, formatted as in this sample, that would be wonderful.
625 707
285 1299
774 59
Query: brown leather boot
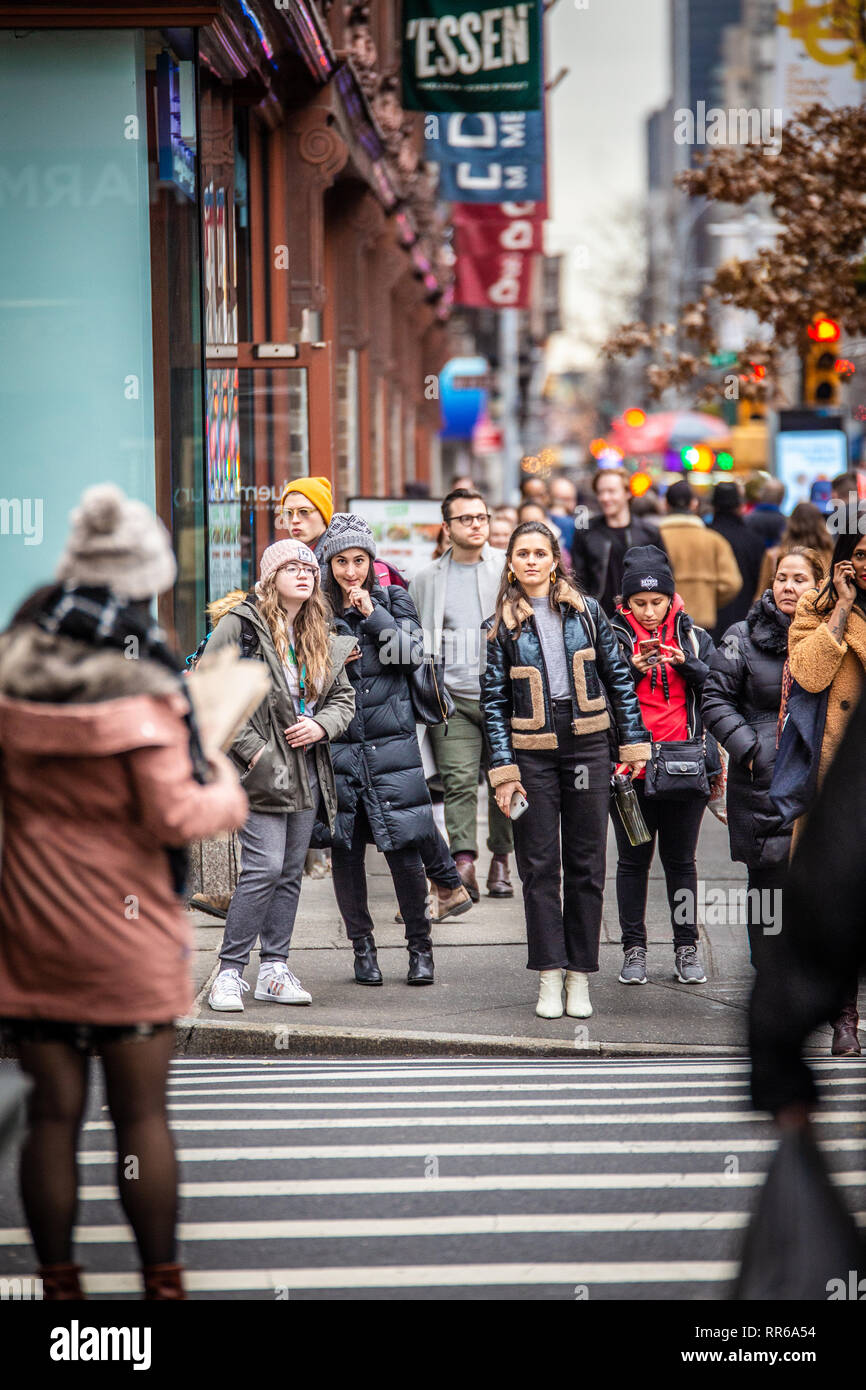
845 1040
163 1282
448 902
499 878
466 869
60 1283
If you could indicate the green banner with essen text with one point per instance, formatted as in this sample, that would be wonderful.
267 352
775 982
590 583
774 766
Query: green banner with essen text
471 57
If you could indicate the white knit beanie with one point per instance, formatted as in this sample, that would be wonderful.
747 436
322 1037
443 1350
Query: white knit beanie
117 542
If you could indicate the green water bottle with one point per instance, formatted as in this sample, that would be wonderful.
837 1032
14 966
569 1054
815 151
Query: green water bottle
629 809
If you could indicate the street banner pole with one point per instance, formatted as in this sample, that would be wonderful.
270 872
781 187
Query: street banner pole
508 366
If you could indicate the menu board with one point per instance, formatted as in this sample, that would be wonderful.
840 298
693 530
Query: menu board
405 529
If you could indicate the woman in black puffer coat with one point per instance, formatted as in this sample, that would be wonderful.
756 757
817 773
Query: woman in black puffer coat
740 706
382 794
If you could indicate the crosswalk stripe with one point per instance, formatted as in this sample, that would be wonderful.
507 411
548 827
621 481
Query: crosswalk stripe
606 1087
568 1223
476 1182
837 1117
407 1277
379 1105
514 1089
270 1153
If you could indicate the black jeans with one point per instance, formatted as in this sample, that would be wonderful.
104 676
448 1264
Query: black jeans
350 884
765 911
437 859
676 825
568 790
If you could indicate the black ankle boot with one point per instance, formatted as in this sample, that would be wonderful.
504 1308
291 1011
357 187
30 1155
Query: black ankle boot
420 964
367 970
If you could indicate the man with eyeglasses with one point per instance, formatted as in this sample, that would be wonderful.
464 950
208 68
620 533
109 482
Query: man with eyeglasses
454 595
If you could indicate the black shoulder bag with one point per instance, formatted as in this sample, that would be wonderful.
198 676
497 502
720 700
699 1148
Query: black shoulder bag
430 700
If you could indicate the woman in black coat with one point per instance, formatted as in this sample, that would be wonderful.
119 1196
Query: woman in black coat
740 706
382 794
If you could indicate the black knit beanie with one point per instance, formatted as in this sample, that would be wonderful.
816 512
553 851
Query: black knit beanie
646 570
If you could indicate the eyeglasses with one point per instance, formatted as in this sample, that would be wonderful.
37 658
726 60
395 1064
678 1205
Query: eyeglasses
477 519
295 569
299 513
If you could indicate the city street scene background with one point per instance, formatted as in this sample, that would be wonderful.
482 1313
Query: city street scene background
433 553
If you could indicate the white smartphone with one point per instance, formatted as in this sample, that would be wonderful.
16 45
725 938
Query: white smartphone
517 806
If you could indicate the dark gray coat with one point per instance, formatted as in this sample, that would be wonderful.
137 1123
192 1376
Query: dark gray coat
740 705
377 759
279 781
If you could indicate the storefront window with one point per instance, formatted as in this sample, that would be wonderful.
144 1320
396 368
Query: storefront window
257 441
76 386
178 365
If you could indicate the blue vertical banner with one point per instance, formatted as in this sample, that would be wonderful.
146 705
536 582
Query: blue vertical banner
488 157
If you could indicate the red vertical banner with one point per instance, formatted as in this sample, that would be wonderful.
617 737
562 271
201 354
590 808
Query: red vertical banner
495 244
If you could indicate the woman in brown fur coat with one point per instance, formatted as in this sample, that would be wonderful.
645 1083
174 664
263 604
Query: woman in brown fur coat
827 651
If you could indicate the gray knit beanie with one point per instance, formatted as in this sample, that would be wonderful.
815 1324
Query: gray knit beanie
347 531
118 543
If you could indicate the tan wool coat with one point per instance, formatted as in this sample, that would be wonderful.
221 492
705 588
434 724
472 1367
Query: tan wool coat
706 572
818 661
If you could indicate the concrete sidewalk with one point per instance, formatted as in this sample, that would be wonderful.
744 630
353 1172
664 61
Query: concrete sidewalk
483 1001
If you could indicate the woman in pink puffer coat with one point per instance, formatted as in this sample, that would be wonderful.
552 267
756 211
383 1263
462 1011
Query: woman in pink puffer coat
103 782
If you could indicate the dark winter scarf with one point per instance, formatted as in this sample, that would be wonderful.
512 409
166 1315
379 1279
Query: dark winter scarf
97 616
768 627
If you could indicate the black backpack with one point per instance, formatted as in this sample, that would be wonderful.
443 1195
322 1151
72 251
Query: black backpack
249 644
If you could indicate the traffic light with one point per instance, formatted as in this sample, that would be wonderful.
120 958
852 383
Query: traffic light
635 417
823 368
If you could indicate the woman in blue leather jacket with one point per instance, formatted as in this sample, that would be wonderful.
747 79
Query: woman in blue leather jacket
554 691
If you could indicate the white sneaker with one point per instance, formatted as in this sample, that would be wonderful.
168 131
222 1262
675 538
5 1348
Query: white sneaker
226 991
277 982
577 1003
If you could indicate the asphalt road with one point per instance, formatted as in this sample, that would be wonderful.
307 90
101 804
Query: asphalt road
455 1179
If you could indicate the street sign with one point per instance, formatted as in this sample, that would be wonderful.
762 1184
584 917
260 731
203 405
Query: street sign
723 359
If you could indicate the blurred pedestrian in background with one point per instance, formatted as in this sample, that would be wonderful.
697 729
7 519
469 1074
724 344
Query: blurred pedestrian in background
806 530
748 548
563 505
554 673
766 518
741 703
284 755
598 550
500 531
103 782
454 595
705 568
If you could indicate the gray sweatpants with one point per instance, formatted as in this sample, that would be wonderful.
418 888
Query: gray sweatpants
265 902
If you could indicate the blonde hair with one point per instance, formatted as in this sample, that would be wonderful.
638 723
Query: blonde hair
312 627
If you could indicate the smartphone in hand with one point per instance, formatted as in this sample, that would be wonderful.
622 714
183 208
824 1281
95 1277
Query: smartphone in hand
651 648
517 806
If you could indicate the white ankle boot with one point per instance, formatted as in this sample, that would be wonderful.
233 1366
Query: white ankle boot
549 994
577 1003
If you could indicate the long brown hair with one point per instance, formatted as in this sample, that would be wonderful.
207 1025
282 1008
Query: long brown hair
311 628
511 591
807 528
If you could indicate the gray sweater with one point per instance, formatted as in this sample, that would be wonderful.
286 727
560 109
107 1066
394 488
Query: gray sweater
549 626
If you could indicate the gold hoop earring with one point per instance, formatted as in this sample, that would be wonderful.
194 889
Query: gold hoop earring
553 576
511 576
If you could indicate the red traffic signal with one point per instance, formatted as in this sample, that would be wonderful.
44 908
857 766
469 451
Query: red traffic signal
824 330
